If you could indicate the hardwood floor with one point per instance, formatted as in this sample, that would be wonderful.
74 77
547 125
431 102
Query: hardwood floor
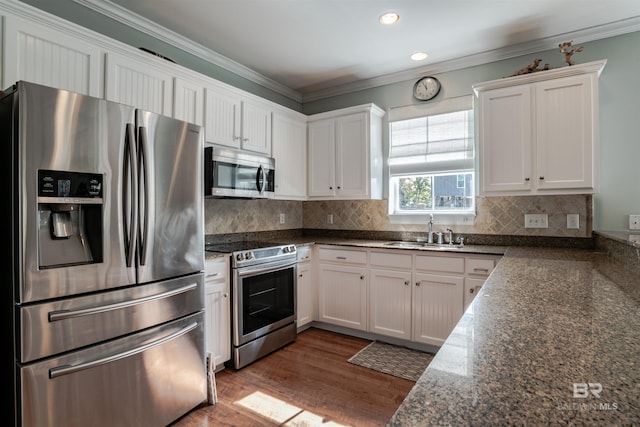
307 383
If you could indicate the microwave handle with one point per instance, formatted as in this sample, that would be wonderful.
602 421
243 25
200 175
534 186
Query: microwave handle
261 176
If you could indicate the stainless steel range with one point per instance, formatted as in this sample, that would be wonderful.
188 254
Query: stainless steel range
263 292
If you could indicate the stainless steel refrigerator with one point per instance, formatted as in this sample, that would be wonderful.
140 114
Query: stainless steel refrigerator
103 290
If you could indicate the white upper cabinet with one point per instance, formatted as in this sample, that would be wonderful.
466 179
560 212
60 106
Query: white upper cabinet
345 154
289 147
139 82
538 133
236 121
50 57
188 101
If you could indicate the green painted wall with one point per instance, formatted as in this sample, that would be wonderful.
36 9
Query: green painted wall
619 95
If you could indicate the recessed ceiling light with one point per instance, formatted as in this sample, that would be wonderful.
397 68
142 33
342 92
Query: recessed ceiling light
419 56
389 18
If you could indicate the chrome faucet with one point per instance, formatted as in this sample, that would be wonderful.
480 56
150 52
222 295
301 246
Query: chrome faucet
430 235
450 231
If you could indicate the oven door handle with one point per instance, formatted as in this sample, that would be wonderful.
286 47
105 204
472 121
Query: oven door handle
264 268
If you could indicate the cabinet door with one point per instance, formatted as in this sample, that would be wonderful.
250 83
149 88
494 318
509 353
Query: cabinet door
322 155
504 130
565 111
352 155
437 306
188 104
305 296
343 296
256 127
222 117
139 83
48 57
390 303
217 309
289 147
472 286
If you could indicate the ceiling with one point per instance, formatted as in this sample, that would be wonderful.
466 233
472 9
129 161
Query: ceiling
311 48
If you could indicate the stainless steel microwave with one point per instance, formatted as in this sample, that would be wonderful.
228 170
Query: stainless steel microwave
235 173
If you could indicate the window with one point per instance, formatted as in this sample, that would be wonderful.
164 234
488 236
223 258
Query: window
431 159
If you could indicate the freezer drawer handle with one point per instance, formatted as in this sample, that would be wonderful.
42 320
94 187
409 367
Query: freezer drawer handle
67 314
71 369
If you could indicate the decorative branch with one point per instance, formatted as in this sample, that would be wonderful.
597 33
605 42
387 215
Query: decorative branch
565 48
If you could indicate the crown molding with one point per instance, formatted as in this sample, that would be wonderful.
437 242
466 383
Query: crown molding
626 26
119 14
137 22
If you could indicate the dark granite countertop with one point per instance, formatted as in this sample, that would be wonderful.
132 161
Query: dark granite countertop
553 338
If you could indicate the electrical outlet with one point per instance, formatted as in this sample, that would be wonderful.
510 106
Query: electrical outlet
634 222
330 219
281 218
536 221
573 221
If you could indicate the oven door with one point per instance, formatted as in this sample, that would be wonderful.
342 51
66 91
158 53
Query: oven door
264 299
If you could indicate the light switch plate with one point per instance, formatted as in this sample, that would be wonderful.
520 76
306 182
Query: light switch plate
634 222
573 221
536 221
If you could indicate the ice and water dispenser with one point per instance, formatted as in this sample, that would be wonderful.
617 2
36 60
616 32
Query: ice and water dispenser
70 218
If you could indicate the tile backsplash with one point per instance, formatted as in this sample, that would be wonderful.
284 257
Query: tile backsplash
495 215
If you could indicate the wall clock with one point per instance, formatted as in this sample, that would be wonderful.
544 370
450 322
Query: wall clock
426 88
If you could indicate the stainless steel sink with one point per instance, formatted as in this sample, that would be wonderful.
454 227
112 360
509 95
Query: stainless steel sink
422 245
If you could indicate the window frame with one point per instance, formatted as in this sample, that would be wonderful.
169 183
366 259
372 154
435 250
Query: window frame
396 216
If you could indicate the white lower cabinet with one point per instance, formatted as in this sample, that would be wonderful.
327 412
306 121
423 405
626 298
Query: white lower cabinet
305 290
390 303
437 306
403 294
342 287
217 309
477 269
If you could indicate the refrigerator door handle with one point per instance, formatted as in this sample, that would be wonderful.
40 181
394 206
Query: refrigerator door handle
67 314
144 194
71 369
129 195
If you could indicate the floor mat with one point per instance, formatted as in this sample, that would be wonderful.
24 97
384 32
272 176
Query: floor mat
391 359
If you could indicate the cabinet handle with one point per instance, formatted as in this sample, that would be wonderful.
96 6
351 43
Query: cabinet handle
481 270
213 274
527 179
542 177
361 277
406 283
471 290
417 283
341 257
330 188
338 187
300 275
245 139
225 295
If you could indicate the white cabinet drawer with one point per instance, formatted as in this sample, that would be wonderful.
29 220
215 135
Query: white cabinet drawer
215 268
442 264
391 260
343 255
480 267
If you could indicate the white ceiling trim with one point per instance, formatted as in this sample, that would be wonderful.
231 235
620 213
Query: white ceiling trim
140 23
126 17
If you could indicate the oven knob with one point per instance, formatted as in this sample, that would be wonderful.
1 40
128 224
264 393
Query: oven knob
239 257
292 248
285 249
248 255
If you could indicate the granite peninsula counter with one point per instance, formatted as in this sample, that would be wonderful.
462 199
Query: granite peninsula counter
553 338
